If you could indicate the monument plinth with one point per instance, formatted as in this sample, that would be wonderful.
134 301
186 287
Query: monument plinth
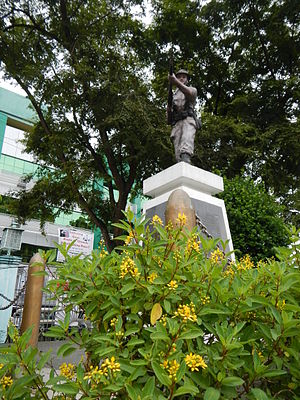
200 185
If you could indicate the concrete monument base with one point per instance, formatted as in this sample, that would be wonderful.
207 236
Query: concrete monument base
200 185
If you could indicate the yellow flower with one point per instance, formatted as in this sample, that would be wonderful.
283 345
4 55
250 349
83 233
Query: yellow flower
128 267
193 244
217 256
95 373
1 366
113 322
181 219
111 364
157 260
129 238
259 353
67 370
119 334
173 348
103 253
172 285
163 320
165 364
101 247
205 300
230 270
281 305
186 312
194 361
172 369
157 220
245 263
6 381
169 226
177 256
251 316
152 277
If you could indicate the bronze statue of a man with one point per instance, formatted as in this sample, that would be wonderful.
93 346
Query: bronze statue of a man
183 118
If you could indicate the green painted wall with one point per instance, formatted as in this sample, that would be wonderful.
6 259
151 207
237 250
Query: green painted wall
16 107
15 165
3 120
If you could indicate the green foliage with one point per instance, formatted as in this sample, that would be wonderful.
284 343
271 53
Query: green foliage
255 218
226 331
99 131
82 222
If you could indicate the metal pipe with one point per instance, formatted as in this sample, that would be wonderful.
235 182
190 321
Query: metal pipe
33 299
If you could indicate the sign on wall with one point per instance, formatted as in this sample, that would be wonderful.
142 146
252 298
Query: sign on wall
83 242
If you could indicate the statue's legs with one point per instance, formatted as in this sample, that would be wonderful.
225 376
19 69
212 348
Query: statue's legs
183 136
176 138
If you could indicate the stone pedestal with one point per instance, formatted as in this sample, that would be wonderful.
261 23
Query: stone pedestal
200 185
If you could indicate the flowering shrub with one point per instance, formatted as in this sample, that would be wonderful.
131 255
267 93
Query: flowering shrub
169 316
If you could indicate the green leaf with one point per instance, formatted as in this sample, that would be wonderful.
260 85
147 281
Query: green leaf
186 389
21 383
80 373
126 366
160 336
191 334
131 392
131 330
55 331
65 349
128 287
134 342
119 323
211 394
181 371
44 358
139 362
105 351
149 387
259 394
206 311
66 388
276 314
275 372
113 387
103 338
167 306
110 314
275 333
232 381
139 371
161 374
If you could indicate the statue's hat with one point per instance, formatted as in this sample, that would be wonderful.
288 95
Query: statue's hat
182 71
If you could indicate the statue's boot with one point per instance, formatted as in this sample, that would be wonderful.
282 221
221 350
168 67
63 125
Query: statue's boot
185 157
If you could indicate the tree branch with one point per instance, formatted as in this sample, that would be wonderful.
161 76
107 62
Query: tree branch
265 51
111 161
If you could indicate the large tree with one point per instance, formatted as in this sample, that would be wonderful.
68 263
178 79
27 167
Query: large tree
244 60
99 131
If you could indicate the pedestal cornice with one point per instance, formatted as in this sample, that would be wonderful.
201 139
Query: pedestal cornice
183 174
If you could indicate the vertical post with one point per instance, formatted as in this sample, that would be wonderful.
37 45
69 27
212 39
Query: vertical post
33 299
